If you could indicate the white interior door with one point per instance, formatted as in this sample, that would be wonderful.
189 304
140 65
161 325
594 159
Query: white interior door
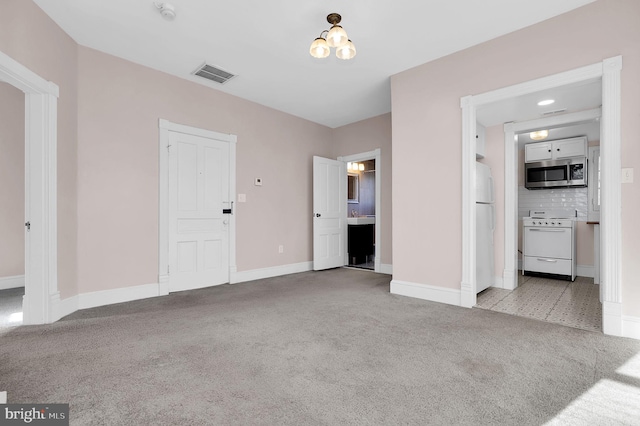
198 228
329 213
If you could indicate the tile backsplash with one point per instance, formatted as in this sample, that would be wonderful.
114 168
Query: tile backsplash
558 198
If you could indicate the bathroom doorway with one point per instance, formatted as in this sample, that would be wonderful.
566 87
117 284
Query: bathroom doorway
362 245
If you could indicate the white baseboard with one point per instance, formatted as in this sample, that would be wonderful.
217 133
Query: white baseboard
585 271
631 327
385 268
273 271
449 296
498 282
14 281
108 297
3 397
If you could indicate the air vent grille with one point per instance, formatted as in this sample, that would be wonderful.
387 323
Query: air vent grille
557 111
213 73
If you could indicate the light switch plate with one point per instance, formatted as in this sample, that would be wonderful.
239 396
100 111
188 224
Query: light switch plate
258 182
627 175
242 198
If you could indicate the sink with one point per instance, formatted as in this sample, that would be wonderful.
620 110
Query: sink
361 220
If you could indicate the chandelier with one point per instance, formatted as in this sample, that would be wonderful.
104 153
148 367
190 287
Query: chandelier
336 37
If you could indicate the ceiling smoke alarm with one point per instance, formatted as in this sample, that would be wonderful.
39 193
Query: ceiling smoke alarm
167 10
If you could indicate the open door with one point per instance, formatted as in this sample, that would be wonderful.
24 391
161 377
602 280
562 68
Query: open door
329 213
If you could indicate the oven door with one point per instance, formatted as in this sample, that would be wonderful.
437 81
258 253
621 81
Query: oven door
548 242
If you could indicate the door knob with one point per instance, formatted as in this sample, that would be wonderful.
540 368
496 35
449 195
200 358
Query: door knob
318 215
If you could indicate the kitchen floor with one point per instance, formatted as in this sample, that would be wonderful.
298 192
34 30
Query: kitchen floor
574 304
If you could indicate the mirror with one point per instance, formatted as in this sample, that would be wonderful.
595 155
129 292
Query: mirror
352 188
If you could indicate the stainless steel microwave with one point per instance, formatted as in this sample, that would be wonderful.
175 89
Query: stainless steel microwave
556 173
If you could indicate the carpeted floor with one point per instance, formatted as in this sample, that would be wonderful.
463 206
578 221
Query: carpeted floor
318 348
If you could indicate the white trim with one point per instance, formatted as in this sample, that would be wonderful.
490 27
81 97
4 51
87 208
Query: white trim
498 282
631 327
363 156
273 271
41 247
609 71
584 271
165 127
3 397
386 268
108 297
449 296
15 281
611 201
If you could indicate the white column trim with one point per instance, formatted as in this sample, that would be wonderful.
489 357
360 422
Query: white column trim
611 206
510 275
468 294
41 300
165 127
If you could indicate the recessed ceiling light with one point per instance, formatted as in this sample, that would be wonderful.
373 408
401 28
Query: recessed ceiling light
539 135
546 102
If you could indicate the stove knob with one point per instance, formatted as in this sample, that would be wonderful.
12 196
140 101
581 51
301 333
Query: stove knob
546 223
553 223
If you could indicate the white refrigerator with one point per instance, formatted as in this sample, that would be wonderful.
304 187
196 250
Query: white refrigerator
485 225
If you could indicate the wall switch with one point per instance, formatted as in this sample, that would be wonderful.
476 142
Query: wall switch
258 182
627 175
242 198
281 249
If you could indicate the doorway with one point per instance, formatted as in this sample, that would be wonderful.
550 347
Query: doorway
41 302
366 216
609 71
12 202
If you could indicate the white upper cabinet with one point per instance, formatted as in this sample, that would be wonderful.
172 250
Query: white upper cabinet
555 150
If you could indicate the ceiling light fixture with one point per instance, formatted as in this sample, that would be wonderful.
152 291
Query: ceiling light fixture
336 37
546 102
167 10
539 135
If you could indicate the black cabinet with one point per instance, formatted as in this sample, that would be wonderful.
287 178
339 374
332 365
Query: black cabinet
361 243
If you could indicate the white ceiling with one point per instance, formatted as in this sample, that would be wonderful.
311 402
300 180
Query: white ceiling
267 43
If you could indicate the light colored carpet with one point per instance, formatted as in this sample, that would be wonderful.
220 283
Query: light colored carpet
317 348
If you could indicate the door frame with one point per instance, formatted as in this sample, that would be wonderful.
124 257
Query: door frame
363 156
41 302
165 127
609 71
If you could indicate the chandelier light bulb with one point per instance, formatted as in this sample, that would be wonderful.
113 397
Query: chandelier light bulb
319 48
337 36
347 51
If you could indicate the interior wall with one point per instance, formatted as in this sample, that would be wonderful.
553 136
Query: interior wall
427 125
12 181
30 37
120 104
364 136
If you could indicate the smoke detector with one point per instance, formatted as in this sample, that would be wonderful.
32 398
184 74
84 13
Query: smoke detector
167 10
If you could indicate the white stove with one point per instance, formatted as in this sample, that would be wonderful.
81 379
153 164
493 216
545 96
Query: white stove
549 243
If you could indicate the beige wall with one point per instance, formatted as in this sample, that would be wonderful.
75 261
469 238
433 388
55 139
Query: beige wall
427 124
367 135
11 181
119 107
31 38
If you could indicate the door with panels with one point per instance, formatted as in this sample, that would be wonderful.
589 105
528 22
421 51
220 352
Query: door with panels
329 213
198 212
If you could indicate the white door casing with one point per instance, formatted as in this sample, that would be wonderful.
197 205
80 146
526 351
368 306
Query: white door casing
197 181
41 303
329 213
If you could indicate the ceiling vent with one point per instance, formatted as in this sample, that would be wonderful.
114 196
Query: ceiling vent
214 74
557 111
